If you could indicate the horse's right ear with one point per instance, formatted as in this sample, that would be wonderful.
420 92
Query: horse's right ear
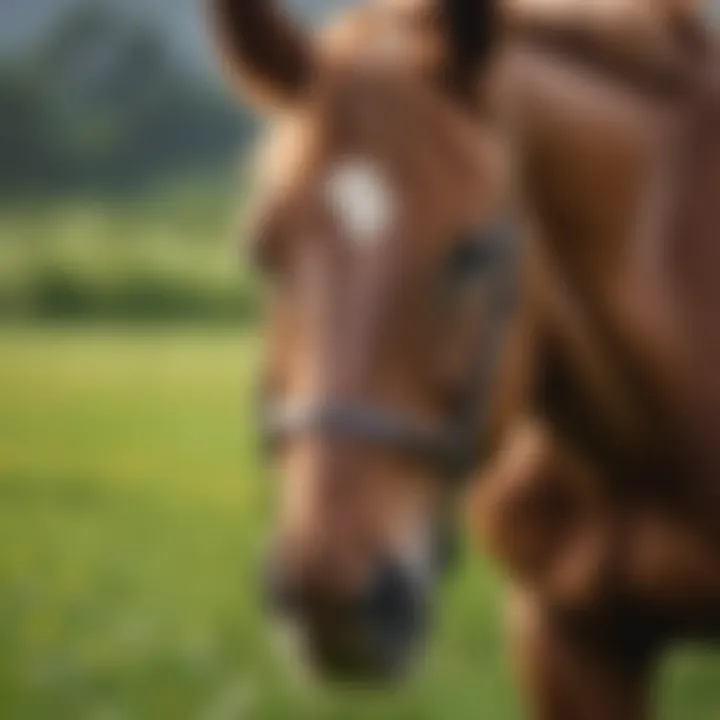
261 49
471 29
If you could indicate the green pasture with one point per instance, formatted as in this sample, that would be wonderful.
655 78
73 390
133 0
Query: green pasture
132 513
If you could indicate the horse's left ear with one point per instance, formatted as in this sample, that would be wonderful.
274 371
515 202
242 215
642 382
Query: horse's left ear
471 29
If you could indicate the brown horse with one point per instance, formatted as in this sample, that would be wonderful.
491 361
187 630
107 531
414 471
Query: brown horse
400 133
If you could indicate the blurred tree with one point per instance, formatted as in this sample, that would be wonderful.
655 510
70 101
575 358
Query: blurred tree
101 103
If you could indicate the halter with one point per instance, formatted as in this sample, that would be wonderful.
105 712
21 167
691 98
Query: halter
455 449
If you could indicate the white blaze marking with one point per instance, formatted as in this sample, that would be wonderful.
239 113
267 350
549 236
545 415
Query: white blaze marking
362 200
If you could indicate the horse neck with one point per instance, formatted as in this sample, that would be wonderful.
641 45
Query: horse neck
588 150
688 234
621 184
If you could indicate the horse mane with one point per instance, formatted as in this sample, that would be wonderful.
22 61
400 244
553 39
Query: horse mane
650 46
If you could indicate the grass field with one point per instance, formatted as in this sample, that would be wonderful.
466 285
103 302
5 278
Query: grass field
132 513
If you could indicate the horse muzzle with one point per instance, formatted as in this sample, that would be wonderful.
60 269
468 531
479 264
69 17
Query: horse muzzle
371 634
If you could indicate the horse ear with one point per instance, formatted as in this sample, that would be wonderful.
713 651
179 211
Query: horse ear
262 49
471 29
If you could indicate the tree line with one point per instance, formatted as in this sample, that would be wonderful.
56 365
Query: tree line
99 103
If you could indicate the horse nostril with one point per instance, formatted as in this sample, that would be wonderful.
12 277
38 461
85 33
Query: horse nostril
394 607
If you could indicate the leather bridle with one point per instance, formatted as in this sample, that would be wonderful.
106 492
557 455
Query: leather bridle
455 449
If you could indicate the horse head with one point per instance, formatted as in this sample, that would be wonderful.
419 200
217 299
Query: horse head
382 228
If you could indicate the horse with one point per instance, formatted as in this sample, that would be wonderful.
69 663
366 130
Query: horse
415 141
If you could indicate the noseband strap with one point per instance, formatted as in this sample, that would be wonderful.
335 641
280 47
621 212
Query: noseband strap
371 425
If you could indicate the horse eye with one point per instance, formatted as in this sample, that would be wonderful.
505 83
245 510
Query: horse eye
264 244
258 252
470 255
